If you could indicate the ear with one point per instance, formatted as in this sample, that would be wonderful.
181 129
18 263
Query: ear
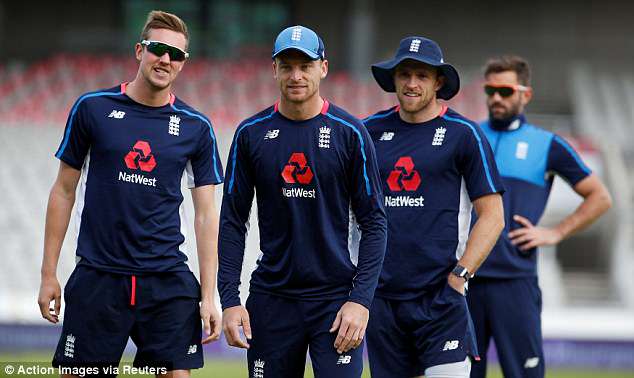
440 81
274 70
138 51
527 95
324 68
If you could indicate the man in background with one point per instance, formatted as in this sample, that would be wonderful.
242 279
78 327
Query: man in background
504 298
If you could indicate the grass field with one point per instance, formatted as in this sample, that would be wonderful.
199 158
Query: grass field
236 369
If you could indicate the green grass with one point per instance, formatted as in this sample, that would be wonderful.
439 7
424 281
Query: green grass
237 369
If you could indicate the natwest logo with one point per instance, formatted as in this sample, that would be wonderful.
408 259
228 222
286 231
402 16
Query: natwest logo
403 177
140 157
297 170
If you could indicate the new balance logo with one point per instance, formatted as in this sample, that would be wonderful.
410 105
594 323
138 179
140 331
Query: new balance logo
439 136
272 134
297 34
344 360
324 137
192 349
69 347
451 345
117 114
387 135
258 368
415 45
531 363
174 125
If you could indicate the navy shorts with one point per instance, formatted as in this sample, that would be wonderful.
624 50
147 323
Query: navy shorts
160 312
283 329
406 337
509 310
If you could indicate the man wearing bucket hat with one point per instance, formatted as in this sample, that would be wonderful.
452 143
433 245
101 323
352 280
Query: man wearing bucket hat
435 165
314 169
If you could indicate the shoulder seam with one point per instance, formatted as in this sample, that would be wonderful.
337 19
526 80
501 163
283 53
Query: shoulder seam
69 123
205 120
378 115
235 145
480 147
356 130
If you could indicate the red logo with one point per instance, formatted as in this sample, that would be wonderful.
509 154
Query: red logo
140 157
404 177
297 170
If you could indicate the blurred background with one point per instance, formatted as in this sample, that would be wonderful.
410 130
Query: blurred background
582 56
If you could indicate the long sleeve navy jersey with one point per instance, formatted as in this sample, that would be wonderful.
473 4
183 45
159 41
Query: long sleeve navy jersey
431 172
528 158
129 214
317 183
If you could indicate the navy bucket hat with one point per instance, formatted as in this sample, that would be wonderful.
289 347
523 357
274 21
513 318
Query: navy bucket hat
422 50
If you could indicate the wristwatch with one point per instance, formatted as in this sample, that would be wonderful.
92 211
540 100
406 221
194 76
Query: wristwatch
461 272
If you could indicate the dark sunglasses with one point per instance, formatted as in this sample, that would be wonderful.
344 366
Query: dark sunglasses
503 90
159 49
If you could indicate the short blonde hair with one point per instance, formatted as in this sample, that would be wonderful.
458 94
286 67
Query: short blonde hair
158 19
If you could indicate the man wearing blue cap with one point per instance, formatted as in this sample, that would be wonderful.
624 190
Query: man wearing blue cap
435 165
314 169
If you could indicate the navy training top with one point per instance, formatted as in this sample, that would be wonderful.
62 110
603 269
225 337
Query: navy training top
132 157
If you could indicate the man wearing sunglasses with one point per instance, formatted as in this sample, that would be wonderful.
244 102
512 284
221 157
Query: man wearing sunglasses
314 170
128 147
504 298
435 166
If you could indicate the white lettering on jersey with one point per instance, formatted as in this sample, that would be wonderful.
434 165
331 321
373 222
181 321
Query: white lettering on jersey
136 178
404 201
298 193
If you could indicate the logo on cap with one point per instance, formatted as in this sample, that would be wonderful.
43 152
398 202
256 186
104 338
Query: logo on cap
297 34
415 45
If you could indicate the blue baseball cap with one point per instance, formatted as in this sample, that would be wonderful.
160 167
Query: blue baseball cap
422 50
299 38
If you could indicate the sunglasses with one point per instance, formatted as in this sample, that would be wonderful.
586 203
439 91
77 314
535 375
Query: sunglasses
503 90
159 49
